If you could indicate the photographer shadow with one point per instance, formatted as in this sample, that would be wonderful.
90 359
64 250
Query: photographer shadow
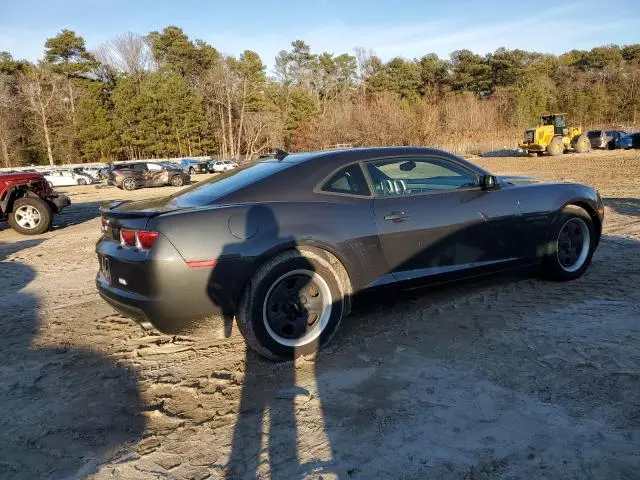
64 410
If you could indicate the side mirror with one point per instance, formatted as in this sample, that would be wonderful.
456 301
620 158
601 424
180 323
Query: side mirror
488 182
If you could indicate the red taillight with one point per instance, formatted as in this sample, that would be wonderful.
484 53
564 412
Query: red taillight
141 239
128 237
147 239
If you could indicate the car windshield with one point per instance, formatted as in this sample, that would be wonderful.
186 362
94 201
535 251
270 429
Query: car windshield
208 191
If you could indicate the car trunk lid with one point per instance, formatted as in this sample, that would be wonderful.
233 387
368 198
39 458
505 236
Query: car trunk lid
130 214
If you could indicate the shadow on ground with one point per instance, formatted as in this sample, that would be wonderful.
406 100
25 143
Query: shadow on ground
63 409
477 388
624 206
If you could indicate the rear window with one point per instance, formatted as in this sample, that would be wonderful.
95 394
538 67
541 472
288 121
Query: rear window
349 180
214 188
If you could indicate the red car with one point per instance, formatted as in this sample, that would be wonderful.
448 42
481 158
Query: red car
28 203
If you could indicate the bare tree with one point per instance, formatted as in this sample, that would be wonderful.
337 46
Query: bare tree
263 130
6 104
128 53
40 91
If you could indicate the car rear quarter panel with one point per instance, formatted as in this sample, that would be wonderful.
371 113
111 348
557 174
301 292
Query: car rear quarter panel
242 237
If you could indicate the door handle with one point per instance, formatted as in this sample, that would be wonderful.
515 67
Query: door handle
396 217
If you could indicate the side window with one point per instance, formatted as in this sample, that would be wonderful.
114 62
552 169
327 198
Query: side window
405 176
154 167
140 167
348 180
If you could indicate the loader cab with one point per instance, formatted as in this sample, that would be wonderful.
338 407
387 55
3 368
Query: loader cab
558 121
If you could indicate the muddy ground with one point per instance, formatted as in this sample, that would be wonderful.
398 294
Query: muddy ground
503 377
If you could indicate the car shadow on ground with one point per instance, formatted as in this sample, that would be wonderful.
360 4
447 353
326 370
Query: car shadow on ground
624 206
75 214
63 409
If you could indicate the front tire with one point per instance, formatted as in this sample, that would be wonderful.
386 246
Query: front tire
556 147
571 244
30 216
292 306
582 145
82 181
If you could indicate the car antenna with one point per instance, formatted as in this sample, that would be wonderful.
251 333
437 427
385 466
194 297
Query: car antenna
280 154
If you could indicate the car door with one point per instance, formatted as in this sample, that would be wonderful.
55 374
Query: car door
156 175
68 179
433 217
139 171
55 178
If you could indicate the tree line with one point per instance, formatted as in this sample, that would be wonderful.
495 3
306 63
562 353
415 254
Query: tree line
165 95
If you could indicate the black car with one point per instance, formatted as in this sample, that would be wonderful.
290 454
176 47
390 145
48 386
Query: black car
284 244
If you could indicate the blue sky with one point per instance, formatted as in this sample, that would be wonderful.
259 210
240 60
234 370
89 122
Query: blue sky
407 28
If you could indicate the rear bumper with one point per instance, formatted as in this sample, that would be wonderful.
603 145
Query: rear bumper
159 289
165 313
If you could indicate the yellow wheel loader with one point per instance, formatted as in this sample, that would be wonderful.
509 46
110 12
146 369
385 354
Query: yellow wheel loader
554 137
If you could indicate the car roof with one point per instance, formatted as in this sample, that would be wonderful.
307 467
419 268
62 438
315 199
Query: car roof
363 153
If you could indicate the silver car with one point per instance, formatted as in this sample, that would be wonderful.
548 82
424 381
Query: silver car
604 138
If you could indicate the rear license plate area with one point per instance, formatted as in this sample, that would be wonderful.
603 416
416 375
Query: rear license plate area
105 268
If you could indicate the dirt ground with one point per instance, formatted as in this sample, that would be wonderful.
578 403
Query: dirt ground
503 377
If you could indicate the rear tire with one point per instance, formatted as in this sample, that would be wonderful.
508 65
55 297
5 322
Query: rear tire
556 147
129 184
192 171
570 246
177 181
82 181
582 144
292 306
30 216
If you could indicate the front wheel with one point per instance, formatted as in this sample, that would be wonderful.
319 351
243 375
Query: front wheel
292 306
556 147
82 181
30 216
582 144
571 244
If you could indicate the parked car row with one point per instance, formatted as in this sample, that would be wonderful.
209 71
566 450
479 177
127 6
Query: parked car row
613 139
212 166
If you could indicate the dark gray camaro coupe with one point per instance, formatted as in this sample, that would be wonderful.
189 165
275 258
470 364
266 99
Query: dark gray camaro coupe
284 244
